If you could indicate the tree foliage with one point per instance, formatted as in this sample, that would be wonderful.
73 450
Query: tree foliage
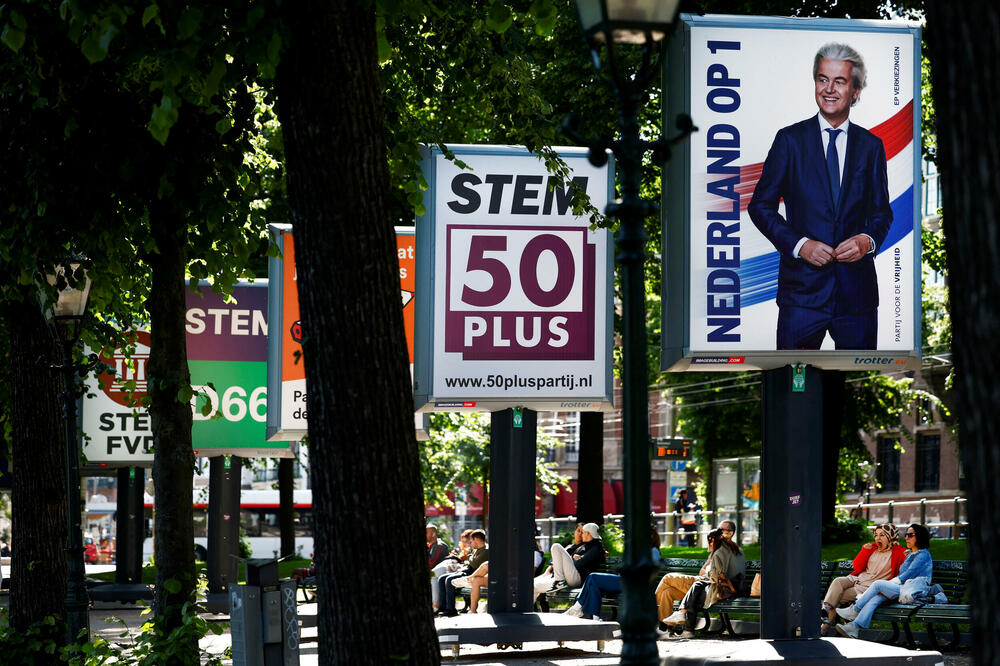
129 126
458 456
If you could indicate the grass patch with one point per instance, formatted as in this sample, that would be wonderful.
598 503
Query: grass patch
149 571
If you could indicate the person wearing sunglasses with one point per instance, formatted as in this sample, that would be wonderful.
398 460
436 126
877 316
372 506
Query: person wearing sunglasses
879 560
918 564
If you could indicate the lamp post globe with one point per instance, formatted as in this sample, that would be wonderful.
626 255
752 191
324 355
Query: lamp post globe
65 318
627 21
607 23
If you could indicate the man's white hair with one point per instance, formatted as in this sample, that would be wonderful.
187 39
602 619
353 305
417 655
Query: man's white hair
835 51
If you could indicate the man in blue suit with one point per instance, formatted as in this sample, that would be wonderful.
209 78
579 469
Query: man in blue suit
831 174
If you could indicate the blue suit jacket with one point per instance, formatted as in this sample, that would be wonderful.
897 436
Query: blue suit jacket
795 170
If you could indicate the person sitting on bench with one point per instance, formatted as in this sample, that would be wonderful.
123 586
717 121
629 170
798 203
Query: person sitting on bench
723 579
879 560
598 585
673 586
447 591
917 565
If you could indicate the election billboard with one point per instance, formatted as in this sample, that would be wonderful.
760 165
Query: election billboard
286 375
791 224
520 291
227 359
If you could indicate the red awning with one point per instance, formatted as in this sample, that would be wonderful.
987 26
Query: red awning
611 503
432 511
566 501
658 496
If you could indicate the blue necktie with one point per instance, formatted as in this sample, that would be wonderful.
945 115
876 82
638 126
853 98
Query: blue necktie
833 165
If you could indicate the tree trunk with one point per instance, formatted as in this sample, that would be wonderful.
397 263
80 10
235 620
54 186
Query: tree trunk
964 41
38 497
363 449
833 422
590 469
286 505
169 381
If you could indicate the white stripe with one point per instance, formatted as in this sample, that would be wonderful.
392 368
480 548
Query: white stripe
900 170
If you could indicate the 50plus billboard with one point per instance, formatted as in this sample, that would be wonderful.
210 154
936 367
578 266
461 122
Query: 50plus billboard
520 285
780 247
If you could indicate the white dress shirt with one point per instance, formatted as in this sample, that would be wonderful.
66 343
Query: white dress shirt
841 157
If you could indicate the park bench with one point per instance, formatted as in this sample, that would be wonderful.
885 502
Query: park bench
612 601
952 576
949 574
567 595
564 595
306 589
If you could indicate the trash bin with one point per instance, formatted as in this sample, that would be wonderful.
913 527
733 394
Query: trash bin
264 619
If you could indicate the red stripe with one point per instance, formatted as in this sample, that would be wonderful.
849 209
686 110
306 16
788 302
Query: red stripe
896 134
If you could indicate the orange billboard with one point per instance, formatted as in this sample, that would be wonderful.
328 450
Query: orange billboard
286 376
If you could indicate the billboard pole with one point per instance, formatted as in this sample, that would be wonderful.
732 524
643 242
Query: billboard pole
130 525
512 509
223 529
792 414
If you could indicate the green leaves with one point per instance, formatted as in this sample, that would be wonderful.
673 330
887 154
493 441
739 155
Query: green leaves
13 34
214 77
384 49
164 116
184 394
545 15
189 23
97 42
499 17
268 66
151 12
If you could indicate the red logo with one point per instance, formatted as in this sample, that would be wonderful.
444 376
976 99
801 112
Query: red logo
125 371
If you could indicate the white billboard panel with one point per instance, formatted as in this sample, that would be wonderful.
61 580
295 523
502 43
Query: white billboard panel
521 308
776 256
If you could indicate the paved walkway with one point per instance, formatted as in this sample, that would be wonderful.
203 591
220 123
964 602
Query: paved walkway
581 653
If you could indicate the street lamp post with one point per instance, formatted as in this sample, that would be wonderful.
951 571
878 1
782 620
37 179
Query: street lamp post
634 22
65 318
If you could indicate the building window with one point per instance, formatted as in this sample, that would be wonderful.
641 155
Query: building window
888 464
571 437
928 462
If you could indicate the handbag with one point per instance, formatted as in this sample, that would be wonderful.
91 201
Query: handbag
726 588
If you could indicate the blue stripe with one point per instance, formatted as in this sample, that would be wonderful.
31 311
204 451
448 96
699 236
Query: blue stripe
759 275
